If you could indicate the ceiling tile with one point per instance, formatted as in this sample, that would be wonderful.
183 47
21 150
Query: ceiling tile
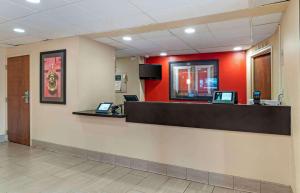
230 25
200 30
265 2
171 43
50 26
43 5
72 14
118 45
265 19
177 52
129 52
200 41
169 10
124 15
267 29
155 35
220 49
120 39
231 29
236 41
105 40
12 10
21 40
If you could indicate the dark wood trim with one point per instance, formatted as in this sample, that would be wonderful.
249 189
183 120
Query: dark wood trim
243 118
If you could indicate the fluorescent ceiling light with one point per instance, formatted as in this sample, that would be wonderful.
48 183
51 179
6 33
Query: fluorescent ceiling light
127 38
163 54
33 1
189 30
238 48
19 30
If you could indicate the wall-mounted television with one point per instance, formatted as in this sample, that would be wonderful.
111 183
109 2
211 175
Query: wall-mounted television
150 71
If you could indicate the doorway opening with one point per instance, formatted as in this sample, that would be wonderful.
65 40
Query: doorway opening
262 73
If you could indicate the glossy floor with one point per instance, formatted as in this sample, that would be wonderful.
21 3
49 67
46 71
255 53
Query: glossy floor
30 170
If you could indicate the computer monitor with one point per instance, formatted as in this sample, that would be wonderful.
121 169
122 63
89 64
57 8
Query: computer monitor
129 98
103 107
225 97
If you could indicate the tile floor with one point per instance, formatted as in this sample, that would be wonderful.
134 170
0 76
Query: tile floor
31 170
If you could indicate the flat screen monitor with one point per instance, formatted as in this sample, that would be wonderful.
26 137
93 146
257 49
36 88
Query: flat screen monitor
131 98
225 97
150 71
103 107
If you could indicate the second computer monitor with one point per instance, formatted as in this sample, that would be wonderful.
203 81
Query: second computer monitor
131 98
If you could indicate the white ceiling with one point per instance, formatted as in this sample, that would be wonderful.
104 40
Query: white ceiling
53 19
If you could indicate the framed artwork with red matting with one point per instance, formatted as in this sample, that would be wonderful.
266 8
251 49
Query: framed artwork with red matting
53 77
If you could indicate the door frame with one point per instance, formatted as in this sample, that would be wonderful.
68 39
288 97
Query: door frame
30 94
260 52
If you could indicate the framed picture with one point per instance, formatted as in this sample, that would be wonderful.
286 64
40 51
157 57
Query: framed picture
53 77
194 80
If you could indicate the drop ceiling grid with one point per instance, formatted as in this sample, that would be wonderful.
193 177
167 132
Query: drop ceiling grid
50 21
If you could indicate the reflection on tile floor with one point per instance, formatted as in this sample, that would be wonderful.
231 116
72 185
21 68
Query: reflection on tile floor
30 170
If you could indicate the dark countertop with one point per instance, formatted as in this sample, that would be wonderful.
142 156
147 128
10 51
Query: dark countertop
94 114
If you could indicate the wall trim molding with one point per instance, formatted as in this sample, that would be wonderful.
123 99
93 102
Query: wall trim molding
3 138
205 177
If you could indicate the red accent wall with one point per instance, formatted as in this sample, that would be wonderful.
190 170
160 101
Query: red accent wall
232 74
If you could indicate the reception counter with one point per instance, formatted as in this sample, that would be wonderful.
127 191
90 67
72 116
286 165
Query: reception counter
243 118
210 148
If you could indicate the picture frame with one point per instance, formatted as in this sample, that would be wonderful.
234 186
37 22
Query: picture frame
53 77
186 81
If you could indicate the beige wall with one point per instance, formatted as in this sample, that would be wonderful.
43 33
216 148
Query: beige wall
89 65
291 78
130 66
272 42
285 76
2 90
95 76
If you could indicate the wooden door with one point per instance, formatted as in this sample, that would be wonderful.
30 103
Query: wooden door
18 100
262 75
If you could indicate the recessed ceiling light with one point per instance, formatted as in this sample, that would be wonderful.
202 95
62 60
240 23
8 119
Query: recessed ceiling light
238 48
190 30
163 54
33 1
19 30
127 38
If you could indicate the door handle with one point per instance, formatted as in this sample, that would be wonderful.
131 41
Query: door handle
26 97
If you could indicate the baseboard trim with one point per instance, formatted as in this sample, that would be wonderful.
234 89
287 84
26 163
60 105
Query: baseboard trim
205 177
3 138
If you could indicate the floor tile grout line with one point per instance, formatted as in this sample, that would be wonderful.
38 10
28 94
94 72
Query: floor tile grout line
187 187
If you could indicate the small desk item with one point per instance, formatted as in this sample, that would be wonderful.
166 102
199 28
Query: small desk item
103 108
131 98
256 97
225 97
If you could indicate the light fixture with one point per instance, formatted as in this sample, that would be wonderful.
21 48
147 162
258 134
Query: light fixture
188 81
189 30
238 48
127 38
19 30
34 1
163 54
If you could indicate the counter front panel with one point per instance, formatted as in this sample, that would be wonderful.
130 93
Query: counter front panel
244 118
